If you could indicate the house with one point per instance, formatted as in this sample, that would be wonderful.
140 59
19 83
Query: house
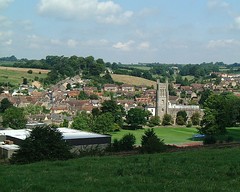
127 88
110 87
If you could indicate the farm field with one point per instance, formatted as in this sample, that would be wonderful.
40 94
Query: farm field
132 80
191 170
15 76
173 135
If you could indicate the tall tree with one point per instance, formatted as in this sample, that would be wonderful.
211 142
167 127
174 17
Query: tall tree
14 118
136 117
44 143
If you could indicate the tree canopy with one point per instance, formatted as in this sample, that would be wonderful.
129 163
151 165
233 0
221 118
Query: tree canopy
14 118
221 111
43 143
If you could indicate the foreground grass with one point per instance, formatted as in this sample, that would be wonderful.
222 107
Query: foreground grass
174 135
196 170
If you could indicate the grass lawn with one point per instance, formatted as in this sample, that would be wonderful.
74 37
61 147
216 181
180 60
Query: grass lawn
195 170
173 135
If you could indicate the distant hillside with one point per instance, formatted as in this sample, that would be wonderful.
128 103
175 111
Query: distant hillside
132 80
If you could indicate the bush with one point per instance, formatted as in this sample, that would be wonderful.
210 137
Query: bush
151 143
209 139
189 124
30 71
126 143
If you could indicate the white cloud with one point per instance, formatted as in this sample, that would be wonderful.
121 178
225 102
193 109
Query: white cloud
124 46
105 12
217 4
5 3
223 43
4 22
144 45
237 22
55 42
72 43
35 41
8 42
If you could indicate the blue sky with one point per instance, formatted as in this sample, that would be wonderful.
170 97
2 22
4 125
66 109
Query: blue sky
126 31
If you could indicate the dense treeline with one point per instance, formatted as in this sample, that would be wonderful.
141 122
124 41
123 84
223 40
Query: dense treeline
11 58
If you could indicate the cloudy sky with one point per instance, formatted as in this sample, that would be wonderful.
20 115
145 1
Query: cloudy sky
126 31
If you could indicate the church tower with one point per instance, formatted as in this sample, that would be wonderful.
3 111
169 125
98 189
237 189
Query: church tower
162 96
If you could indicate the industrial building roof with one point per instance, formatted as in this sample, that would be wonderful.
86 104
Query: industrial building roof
66 133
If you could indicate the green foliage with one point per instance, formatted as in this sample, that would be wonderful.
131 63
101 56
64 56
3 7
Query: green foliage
136 117
151 143
30 71
195 118
220 111
154 121
181 117
33 109
64 123
5 104
103 123
82 121
68 86
44 143
126 143
93 97
116 110
83 96
209 139
167 120
14 118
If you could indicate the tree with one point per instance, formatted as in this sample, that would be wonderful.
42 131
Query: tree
154 121
14 118
151 143
103 123
68 87
181 117
82 121
204 96
43 143
5 104
167 120
195 118
25 81
136 117
116 110
64 123
220 111
30 71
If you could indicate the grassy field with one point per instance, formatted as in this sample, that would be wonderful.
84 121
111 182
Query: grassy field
194 170
173 135
132 80
15 75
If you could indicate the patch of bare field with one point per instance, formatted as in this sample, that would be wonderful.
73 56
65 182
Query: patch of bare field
133 80
24 69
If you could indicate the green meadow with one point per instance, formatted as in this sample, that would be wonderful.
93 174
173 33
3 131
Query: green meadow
191 170
174 135
15 77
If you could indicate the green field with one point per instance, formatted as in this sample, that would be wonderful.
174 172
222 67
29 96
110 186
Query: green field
191 170
15 77
173 135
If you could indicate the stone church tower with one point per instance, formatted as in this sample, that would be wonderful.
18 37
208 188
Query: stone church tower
162 96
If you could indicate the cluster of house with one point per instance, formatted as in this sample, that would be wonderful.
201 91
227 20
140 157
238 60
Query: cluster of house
61 101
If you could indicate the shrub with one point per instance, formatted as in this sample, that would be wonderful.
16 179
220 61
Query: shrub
154 121
126 143
151 143
30 71
189 124
209 139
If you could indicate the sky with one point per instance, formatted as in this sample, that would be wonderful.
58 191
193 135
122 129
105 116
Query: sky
126 31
